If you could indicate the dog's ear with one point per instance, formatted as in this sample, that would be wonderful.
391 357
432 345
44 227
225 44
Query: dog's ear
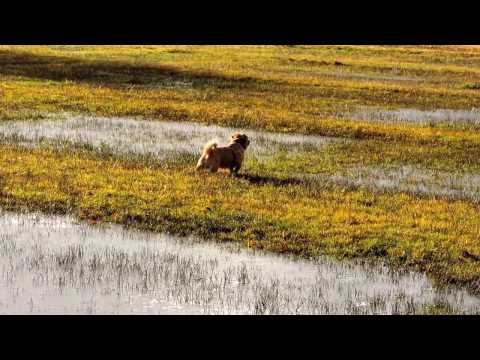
243 139
235 136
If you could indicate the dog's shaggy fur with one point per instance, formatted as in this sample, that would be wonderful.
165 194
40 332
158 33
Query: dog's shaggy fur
230 157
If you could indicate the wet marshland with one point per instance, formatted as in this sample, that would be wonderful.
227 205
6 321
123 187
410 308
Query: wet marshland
55 265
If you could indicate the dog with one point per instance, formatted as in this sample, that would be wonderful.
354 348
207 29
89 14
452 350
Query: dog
230 157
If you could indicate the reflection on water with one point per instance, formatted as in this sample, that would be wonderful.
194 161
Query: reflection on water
54 265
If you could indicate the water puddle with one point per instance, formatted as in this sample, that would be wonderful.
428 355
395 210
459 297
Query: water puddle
418 117
409 179
158 138
55 265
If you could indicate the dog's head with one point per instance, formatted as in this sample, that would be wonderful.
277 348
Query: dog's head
241 139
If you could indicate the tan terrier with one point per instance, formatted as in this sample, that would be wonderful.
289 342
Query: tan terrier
230 157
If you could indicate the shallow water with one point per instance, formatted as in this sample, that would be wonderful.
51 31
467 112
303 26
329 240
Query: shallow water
158 138
410 179
418 117
55 265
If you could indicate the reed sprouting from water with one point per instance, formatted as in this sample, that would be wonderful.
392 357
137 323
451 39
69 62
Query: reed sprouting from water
54 265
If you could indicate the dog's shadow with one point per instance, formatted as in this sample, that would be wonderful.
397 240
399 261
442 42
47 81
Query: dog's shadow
3 184
266 180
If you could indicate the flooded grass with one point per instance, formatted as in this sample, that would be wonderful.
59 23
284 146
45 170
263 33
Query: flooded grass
406 116
409 179
54 265
181 143
159 139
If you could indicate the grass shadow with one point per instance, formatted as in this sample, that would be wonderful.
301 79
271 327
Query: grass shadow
3 184
269 180
111 73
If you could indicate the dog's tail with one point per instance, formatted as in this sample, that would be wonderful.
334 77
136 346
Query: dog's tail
209 147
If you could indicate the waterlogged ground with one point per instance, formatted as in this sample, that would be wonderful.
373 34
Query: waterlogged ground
418 117
409 179
158 138
55 265
181 142
388 166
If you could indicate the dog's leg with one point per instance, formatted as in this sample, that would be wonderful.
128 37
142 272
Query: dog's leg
235 166
235 170
200 163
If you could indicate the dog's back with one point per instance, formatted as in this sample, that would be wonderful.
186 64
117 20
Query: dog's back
209 148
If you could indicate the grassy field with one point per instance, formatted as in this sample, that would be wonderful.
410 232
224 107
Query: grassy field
393 183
